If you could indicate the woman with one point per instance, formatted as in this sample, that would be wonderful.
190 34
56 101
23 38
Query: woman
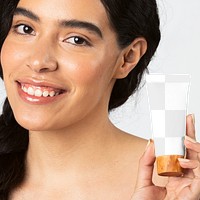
65 64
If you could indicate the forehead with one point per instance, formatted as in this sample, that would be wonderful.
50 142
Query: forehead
84 10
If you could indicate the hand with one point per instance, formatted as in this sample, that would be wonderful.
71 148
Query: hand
186 187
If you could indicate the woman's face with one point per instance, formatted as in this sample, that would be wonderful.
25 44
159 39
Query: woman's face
59 61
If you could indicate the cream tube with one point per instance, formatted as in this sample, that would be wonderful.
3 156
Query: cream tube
168 99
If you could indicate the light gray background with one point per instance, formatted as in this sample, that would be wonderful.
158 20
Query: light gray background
178 53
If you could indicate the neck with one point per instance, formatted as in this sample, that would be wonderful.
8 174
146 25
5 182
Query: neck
61 153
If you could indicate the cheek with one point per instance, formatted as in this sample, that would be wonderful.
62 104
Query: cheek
11 56
5 55
87 69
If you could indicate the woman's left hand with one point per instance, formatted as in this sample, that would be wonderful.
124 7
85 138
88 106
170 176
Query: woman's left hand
186 187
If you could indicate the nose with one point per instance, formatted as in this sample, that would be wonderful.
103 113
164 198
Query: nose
42 58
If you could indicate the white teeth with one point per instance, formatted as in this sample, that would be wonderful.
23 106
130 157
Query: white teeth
52 93
31 91
38 92
45 94
24 89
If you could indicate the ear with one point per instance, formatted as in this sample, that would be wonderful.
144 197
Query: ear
131 56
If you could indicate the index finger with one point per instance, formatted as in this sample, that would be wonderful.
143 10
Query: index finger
190 132
190 126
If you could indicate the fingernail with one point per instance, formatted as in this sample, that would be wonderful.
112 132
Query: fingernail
193 119
183 160
190 139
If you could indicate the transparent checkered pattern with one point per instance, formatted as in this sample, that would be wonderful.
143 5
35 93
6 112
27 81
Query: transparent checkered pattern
168 98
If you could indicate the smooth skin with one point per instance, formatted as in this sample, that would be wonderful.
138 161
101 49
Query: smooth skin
74 151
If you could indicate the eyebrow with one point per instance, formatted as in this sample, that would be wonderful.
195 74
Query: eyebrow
63 23
26 13
82 24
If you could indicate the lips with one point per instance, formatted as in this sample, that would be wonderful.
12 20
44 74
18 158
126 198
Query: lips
39 92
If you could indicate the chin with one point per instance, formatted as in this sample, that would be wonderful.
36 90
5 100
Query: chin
31 126
30 122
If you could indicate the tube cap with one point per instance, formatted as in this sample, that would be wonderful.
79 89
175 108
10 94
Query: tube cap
168 165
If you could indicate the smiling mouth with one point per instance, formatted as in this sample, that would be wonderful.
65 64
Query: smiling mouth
40 91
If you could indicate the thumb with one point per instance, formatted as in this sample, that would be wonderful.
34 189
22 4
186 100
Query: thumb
146 165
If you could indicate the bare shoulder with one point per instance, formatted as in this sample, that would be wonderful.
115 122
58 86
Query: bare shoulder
132 144
134 147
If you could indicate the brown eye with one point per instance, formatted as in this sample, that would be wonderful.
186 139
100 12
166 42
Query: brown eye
79 41
24 29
